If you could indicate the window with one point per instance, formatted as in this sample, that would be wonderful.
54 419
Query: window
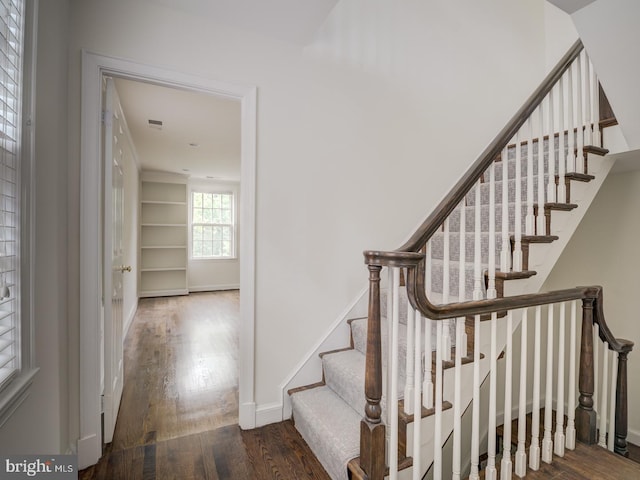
212 225
17 94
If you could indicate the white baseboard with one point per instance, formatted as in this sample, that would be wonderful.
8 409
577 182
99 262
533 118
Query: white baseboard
214 288
129 318
269 413
633 436
89 451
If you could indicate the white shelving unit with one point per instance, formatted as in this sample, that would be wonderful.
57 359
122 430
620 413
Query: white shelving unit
163 235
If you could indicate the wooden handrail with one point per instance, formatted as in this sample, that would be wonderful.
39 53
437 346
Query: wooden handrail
460 189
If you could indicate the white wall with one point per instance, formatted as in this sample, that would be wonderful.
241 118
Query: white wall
41 424
603 251
340 146
215 274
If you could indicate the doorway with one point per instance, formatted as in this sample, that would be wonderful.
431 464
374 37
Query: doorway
94 68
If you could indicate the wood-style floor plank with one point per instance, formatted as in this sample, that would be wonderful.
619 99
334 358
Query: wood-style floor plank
179 409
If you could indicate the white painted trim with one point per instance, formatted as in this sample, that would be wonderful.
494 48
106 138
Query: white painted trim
163 293
633 436
309 369
214 288
93 67
17 392
269 413
130 316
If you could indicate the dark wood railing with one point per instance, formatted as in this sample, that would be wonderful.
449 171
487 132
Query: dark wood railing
408 257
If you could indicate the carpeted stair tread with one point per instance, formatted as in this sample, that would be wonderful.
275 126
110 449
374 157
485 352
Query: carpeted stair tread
330 427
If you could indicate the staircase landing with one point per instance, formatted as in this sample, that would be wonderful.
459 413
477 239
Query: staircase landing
586 462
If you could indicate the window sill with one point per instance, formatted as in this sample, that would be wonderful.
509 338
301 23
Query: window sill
214 259
16 393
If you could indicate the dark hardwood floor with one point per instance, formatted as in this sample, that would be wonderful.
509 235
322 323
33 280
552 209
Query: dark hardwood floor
179 410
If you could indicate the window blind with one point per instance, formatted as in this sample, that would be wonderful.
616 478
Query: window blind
11 58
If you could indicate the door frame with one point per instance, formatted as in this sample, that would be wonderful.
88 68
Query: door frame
94 67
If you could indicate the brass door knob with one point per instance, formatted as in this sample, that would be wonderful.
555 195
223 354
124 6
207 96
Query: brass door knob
126 268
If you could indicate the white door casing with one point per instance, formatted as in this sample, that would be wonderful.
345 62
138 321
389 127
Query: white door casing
92 182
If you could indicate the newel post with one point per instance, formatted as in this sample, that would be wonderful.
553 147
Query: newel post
620 445
585 414
372 430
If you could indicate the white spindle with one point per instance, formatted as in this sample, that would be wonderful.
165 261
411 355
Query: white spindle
597 140
562 157
547 441
417 360
505 465
490 471
571 400
475 423
410 377
612 402
505 252
462 285
530 222
588 138
517 246
521 454
534 449
477 248
540 220
457 405
602 441
551 180
437 435
446 334
428 269
559 440
491 287
392 396
571 156
580 119
427 385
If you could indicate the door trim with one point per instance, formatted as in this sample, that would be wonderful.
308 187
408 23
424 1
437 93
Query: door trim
94 66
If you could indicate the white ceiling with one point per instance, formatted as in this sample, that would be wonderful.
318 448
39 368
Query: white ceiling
290 20
213 123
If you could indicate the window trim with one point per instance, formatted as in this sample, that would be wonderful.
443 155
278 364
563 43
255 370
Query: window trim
202 186
17 390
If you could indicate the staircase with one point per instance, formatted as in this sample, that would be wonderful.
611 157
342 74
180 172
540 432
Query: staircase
456 294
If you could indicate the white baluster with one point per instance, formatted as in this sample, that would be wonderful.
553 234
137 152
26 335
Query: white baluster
551 180
505 252
547 440
588 138
562 158
392 397
596 368
428 269
462 284
602 441
521 454
534 449
517 245
505 465
580 119
446 334
417 424
490 471
597 140
410 378
475 425
559 440
612 402
541 224
457 405
427 385
477 248
437 434
571 156
491 288
530 222
571 400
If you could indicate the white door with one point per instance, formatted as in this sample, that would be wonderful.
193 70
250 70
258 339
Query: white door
113 267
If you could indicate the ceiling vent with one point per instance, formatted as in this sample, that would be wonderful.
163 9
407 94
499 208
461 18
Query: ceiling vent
155 124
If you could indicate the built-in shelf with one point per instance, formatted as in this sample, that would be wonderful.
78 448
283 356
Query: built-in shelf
163 235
